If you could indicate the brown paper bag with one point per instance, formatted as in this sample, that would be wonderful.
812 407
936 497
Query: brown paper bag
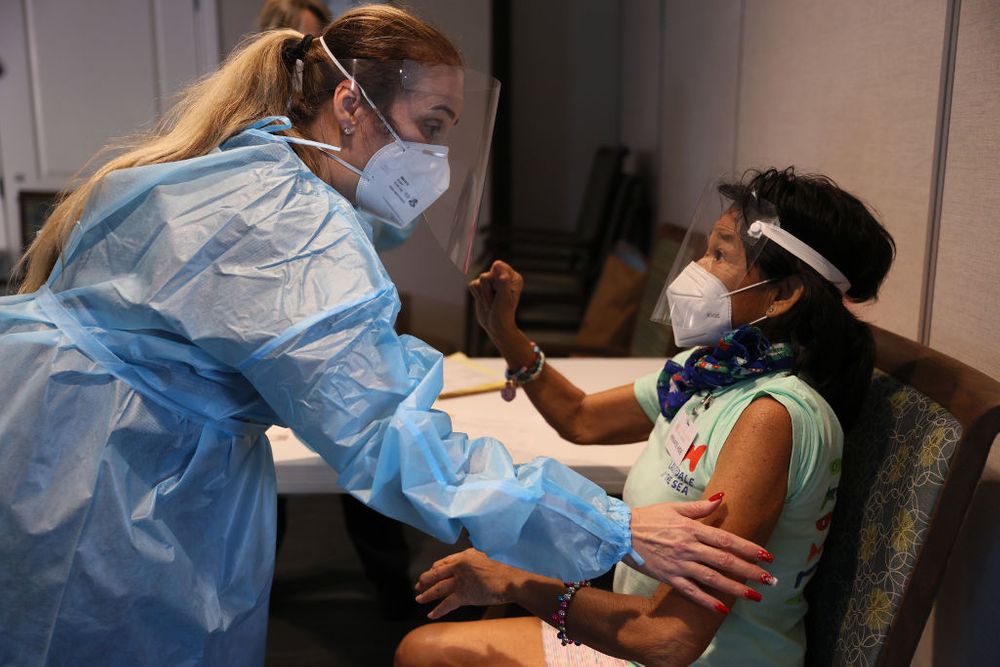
610 315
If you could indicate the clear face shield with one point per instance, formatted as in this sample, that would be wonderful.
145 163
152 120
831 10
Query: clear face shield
720 249
438 122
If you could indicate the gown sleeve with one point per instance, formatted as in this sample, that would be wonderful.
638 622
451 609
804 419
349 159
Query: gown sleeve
292 294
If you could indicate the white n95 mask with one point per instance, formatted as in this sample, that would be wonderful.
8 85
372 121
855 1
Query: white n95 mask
401 180
700 307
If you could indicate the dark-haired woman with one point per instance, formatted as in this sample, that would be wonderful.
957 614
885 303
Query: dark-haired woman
214 278
755 411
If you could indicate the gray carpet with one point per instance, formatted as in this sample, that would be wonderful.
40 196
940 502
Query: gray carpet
323 610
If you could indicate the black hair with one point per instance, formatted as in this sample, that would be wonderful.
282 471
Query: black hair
834 351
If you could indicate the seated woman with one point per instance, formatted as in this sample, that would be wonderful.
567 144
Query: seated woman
757 412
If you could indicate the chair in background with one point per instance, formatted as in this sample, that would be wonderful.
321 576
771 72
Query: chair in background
553 249
607 323
910 467
560 267
559 296
618 321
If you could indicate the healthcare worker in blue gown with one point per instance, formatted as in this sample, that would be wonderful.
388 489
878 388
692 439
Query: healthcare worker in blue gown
215 278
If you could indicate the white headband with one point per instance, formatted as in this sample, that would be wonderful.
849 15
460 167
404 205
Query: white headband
802 251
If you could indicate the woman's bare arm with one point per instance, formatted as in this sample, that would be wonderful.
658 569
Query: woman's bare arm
609 417
668 628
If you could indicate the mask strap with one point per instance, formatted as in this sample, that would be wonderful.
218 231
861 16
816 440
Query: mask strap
309 142
743 289
273 124
354 83
325 149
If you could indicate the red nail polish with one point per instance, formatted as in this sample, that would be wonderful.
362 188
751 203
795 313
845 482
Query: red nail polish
751 594
768 580
721 608
716 496
765 556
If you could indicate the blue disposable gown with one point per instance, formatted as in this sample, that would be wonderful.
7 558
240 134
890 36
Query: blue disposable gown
196 303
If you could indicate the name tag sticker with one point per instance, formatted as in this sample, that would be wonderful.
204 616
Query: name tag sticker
680 437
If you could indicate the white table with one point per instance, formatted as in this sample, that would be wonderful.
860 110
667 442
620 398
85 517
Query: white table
516 424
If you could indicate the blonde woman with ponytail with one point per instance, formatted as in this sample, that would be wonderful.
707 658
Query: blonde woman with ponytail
217 276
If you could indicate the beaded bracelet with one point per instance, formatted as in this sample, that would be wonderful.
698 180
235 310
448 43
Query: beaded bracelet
523 375
559 618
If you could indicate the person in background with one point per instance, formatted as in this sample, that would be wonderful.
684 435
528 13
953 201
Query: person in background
307 16
757 410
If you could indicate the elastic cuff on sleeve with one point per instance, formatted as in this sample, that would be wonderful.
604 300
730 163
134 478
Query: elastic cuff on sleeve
629 549
621 515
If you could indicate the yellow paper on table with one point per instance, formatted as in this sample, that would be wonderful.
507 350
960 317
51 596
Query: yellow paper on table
463 376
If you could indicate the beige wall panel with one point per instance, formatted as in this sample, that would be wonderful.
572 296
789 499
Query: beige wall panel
639 115
964 321
966 305
851 89
82 102
701 48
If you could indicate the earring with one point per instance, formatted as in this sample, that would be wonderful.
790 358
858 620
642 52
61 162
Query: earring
348 129
770 309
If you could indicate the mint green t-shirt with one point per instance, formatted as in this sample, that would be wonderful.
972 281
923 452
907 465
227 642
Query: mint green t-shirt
769 632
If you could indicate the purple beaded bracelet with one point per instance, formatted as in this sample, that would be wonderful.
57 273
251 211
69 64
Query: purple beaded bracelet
524 375
559 618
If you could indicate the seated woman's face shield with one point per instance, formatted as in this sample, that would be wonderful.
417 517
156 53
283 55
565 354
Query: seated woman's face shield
720 249
439 127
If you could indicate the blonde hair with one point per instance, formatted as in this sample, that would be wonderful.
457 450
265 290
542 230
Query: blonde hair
253 83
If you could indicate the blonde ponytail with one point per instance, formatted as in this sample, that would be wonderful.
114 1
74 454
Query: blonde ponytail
254 82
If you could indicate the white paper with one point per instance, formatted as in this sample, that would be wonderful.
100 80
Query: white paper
680 437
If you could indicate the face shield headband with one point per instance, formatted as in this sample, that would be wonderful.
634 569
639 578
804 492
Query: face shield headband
820 264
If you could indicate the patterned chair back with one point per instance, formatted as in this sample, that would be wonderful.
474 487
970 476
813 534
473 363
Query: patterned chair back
909 468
